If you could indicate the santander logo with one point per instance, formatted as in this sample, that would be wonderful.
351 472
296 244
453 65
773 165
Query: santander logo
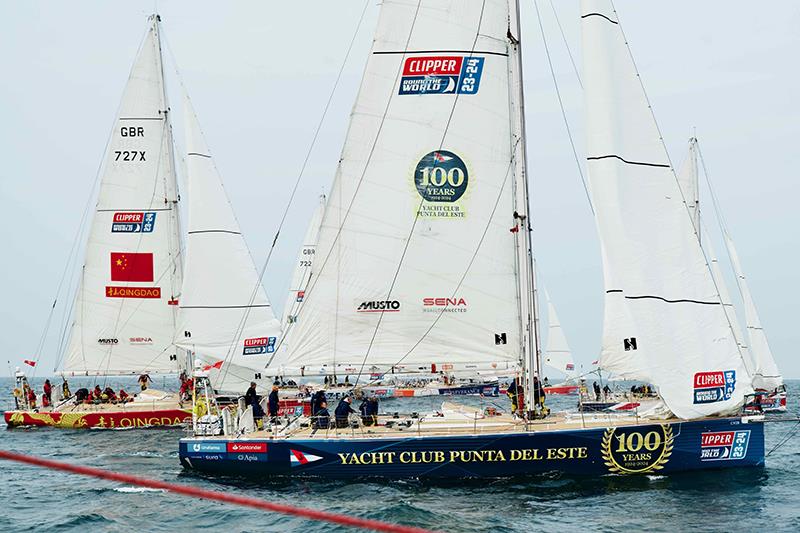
247 447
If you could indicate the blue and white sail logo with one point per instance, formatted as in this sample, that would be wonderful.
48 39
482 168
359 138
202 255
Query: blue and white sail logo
441 75
136 222
724 445
710 387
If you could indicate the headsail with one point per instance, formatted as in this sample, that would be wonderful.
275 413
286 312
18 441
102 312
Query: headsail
415 264
664 319
224 311
765 374
557 354
124 322
303 269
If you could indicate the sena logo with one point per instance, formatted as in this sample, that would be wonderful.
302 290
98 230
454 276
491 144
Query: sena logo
107 341
448 305
140 340
379 306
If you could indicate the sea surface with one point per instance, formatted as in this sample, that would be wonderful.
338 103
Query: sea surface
35 499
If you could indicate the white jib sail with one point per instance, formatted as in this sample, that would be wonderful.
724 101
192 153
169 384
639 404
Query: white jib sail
664 319
766 374
303 269
415 261
557 354
224 312
123 320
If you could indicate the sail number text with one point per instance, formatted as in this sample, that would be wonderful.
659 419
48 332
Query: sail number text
129 155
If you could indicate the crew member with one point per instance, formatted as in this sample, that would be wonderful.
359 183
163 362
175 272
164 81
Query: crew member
546 382
322 419
65 392
606 392
273 403
81 395
363 409
596 388
538 397
144 379
512 394
343 411
48 391
109 396
123 396
186 389
251 399
316 401
31 398
97 393
372 412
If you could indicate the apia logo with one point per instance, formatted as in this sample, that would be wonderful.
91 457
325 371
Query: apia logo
259 345
136 222
717 386
379 306
140 340
724 445
107 341
441 75
447 305
441 176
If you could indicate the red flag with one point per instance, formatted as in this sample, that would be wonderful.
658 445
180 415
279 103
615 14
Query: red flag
217 365
515 229
29 362
126 266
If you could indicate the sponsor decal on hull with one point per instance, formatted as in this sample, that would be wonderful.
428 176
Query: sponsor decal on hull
635 451
724 445
441 75
103 420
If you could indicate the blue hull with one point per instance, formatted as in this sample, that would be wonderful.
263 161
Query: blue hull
643 449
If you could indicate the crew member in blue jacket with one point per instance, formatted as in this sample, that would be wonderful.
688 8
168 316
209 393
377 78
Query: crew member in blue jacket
343 411
272 403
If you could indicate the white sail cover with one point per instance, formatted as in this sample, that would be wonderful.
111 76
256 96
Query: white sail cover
664 320
557 354
765 374
415 265
124 322
224 311
303 269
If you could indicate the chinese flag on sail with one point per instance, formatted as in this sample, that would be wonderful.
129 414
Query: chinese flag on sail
29 362
126 266
218 364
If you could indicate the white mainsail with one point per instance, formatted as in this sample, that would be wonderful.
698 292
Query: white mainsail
415 265
664 319
124 317
224 312
690 184
303 269
557 354
765 374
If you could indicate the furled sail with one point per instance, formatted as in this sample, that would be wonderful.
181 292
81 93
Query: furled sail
765 374
664 319
415 266
557 354
124 317
303 269
224 313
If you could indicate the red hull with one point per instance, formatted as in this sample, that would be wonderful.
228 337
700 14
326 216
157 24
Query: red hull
562 389
100 419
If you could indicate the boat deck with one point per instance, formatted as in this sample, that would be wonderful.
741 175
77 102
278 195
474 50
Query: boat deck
452 420
148 400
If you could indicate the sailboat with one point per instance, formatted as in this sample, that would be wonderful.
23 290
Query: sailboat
430 198
557 355
767 379
125 311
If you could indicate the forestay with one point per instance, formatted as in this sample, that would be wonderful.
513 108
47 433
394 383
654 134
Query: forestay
415 265
224 312
124 322
664 319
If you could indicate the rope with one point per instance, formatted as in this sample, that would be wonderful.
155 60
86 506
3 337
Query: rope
195 492
788 436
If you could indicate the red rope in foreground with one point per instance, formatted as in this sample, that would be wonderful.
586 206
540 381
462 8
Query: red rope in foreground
213 495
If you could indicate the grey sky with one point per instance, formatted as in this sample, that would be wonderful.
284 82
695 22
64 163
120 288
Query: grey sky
259 74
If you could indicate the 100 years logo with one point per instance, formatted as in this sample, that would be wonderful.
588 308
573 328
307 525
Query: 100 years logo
632 451
441 179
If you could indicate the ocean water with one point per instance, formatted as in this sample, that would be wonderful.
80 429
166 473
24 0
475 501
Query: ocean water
35 499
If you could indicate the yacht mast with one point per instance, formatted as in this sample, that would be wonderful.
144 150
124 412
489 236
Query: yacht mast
529 323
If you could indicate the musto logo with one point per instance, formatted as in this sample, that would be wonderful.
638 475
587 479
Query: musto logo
379 306
724 445
636 451
441 178
259 345
710 387
441 75
444 305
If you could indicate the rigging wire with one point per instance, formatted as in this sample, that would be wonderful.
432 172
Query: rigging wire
561 102
566 43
